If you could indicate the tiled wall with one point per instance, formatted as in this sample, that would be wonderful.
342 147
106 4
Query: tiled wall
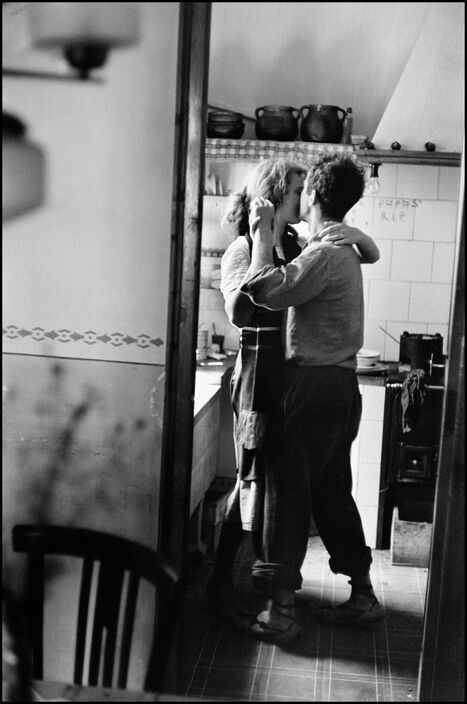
366 458
413 219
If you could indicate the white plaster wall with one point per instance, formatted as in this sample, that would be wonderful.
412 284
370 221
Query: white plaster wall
297 53
94 260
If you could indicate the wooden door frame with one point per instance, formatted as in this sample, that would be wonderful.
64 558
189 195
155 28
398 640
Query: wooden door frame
441 674
184 281
441 659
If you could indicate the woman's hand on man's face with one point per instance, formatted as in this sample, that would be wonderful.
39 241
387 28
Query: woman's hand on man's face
261 213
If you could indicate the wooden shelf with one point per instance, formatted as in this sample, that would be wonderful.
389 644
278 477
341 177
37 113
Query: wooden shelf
308 152
403 156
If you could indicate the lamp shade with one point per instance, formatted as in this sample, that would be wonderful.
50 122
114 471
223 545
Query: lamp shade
63 24
23 168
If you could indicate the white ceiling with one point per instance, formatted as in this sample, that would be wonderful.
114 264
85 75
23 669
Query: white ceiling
345 54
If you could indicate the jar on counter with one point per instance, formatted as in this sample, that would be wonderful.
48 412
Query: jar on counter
202 344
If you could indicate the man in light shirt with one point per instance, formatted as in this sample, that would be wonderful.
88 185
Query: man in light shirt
319 415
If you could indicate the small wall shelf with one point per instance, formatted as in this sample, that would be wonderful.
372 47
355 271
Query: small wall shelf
308 152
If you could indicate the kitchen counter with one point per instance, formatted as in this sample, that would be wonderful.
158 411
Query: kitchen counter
208 382
209 378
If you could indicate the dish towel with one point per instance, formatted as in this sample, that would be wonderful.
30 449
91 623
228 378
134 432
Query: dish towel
413 395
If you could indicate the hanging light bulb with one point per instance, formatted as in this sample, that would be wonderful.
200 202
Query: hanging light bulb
373 183
23 166
84 31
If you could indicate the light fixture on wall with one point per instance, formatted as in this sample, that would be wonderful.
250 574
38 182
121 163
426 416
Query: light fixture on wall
373 183
23 169
84 31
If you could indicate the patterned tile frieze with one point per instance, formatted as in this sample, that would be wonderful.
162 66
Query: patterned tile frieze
210 252
89 337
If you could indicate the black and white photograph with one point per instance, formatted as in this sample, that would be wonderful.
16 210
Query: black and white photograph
233 351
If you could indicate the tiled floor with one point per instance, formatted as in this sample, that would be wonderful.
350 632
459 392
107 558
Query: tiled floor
326 663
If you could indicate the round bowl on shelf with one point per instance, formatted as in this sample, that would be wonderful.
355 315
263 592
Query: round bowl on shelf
225 124
367 358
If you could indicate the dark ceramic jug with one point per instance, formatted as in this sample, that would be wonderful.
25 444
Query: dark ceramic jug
322 123
276 122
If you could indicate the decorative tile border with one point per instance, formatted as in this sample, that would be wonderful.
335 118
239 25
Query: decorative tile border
267 149
211 252
116 339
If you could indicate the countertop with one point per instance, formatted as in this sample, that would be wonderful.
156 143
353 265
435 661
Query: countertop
208 382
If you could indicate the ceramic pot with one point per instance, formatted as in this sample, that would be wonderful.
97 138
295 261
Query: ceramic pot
225 124
322 123
277 122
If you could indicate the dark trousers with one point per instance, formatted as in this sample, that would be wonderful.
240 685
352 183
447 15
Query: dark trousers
309 473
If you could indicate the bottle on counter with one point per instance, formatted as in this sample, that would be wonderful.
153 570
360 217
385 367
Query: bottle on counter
202 346
348 125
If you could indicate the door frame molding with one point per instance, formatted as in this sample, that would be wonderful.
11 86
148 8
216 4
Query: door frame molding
184 280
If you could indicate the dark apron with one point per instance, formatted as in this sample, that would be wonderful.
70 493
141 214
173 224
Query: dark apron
257 381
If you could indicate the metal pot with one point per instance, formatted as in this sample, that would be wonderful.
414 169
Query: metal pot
422 351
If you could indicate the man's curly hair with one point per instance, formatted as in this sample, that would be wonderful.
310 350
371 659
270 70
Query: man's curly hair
339 183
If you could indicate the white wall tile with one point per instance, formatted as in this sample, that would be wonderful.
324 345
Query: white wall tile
396 328
436 221
430 302
361 215
417 181
411 261
443 262
369 516
449 182
214 299
393 218
368 484
373 403
382 268
388 300
387 176
374 337
371 436
443 330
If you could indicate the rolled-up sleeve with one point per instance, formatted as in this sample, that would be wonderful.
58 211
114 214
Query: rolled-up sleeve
281 287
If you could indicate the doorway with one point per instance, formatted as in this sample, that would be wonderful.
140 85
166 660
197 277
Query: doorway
443 583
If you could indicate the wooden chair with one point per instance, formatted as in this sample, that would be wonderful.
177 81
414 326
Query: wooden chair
114 555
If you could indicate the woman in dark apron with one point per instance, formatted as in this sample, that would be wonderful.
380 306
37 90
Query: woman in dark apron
256 383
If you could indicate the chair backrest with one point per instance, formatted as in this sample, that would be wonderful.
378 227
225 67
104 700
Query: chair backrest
115 556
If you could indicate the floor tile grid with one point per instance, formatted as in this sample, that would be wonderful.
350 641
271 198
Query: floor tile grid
322 680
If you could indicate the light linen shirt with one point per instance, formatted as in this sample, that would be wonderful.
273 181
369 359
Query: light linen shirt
323 292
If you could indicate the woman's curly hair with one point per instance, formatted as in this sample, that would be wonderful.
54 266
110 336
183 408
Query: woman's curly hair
269 179
339 183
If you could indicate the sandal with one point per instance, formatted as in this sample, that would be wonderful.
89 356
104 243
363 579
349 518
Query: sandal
349 615
273 634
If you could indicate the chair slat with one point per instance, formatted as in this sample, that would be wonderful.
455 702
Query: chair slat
108 597
129 620
35 605
115 555
83 612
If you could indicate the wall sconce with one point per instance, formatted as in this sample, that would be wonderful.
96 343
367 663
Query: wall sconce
23 168
84 31
373 183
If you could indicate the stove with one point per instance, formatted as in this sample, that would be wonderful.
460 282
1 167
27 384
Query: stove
408 461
